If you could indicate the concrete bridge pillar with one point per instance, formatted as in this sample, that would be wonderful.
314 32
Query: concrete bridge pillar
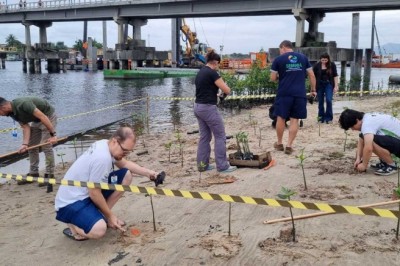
53 65
2 63
42 31
38 67
105 65
314 18
24 67
120 22
28 44
31 65
137 28
300 14
176 24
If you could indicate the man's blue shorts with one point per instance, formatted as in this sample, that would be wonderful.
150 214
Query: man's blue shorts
291 107
84 213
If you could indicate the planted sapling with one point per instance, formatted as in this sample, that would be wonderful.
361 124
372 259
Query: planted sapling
168 146
302 157
152 210
396 193
285 194
62 160
202 168
345 140
74 142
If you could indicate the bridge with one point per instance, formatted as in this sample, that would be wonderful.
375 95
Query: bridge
136 13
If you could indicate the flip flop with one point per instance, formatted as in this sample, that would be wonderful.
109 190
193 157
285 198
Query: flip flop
68 233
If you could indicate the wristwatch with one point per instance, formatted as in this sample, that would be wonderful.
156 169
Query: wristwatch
52 134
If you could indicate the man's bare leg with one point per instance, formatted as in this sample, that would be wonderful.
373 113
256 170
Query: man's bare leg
293 128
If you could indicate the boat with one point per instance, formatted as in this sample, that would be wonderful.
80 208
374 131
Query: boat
394 79
390 64
138 73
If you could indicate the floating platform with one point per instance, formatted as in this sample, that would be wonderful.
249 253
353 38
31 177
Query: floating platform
394 79
140 73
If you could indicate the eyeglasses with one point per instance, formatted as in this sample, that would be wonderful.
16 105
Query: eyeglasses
126 151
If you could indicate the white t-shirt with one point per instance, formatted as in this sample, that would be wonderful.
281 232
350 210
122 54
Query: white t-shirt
380 124
94 165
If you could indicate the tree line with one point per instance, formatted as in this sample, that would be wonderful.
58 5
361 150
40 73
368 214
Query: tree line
12 41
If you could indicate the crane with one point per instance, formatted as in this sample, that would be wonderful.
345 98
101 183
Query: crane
195 51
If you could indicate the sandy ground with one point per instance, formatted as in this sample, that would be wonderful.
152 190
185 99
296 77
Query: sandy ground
195 232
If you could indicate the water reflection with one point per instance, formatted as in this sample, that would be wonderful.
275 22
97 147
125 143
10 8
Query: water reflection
77 92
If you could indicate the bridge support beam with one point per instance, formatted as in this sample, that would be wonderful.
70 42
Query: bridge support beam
313 37
53 65
43 31
300 14
137 27
176 24
355 70
38 67
2 63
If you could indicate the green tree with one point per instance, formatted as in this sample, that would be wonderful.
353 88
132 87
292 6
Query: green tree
12 41
97 44
78 45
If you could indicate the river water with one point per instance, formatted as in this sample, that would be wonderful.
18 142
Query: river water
77 92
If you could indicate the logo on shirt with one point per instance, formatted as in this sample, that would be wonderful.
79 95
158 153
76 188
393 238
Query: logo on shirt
292 59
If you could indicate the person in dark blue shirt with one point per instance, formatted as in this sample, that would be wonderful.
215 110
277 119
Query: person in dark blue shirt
291 69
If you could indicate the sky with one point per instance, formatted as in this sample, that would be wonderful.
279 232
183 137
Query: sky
235 34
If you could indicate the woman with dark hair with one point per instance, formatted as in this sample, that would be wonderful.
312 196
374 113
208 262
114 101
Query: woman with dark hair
208 82
327 84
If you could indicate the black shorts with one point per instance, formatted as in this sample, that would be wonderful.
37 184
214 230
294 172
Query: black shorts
389 143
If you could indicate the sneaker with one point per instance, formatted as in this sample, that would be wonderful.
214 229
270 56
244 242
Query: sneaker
24 181
208 168
278 147
229 169
387 170
289 150
379 165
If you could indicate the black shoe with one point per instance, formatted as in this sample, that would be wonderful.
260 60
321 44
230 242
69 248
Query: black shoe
379 165
387 170
24 181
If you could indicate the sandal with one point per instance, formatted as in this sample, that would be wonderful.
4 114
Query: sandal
289 150
278 147
68 233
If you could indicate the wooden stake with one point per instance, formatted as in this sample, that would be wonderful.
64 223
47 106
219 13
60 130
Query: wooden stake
31 147
305 216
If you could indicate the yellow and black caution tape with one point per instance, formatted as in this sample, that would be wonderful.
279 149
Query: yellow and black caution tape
85 113
218 197
238 97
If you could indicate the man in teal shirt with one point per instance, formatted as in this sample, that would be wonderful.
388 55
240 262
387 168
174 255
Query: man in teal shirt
38 121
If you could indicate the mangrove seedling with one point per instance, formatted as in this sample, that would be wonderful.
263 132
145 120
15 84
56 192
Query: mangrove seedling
202 168
180 144
62 160
152 210
395 112
168 146
302 157
242 140
76 153
229 221
345 140
254 123
319 125
259 141
396 192
285 194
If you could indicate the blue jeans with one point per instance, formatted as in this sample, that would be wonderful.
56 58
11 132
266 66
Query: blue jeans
325 91
211 123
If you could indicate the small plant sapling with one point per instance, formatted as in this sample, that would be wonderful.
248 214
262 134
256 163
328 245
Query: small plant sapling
319 125
152 210
285 194
254 124
396 193
302 157
345 140
259 141
242 140
62 160
76 153
180 144
395 112
202 168
168 147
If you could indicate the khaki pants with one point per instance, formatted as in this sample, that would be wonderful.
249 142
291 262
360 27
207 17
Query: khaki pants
40 134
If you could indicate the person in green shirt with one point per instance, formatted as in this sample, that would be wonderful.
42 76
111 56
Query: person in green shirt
38 122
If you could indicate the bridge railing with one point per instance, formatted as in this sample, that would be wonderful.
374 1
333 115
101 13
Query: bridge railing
54 4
